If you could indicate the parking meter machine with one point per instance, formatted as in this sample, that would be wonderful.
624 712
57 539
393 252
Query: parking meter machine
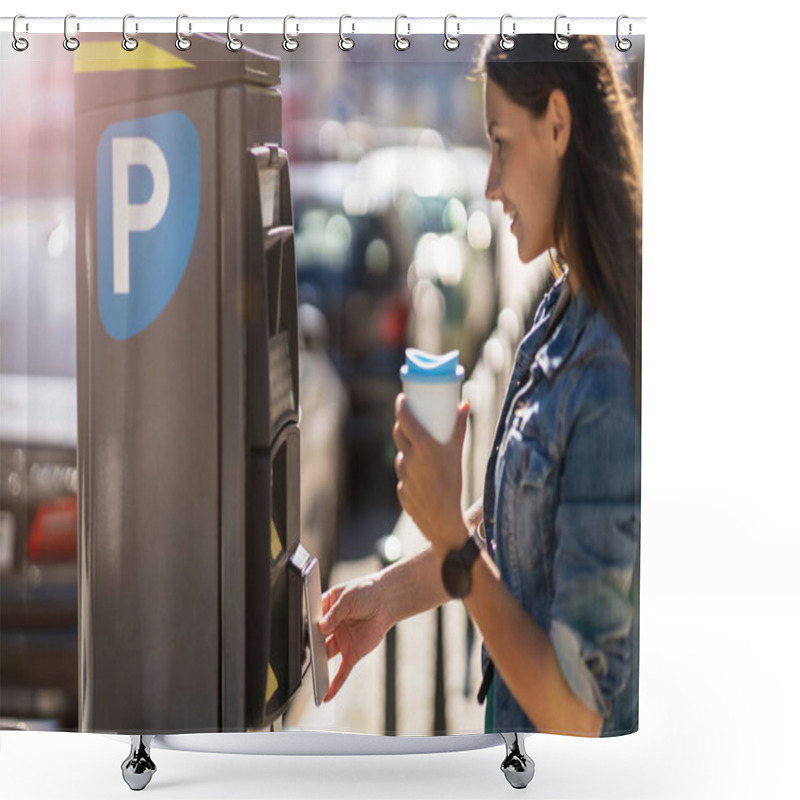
191 568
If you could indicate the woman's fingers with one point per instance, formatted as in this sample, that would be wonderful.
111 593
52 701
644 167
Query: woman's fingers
334 609
338 681
332 648
401 442
330 597
460 430
399 465
407 424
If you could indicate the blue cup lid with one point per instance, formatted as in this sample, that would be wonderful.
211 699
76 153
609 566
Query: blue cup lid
429 368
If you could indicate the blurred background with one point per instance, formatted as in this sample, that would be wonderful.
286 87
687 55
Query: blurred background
396 246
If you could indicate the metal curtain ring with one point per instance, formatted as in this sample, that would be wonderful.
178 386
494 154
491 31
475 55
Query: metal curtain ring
506 42
18 43
345 43
400 42
623 44
233 44
70 42
561 42
182 43
451 42
128 42
290 43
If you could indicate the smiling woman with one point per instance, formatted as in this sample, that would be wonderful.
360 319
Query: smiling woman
555 593
525 170
565 137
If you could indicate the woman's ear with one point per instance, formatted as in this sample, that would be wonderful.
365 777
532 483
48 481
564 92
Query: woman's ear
560 117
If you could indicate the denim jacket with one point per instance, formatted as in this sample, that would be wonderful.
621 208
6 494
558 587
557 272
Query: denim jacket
561 508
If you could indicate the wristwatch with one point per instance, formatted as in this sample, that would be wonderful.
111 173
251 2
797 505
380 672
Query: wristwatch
457 567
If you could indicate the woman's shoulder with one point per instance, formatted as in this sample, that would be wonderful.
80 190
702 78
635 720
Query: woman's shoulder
601 370
600 341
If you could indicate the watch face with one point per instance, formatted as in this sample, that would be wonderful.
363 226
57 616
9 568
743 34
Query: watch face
455 575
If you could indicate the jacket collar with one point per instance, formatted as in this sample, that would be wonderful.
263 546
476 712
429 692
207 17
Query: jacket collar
567 331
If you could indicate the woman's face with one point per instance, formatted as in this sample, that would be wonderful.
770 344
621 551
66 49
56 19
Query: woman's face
525 170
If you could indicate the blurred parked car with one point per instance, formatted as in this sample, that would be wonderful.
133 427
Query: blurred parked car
350 265
325 139
396 248
432 198
323 451
38 477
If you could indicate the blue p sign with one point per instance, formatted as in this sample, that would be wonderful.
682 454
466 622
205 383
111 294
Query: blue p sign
148 197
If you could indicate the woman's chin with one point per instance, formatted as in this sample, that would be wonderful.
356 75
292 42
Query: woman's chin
528 253
522 251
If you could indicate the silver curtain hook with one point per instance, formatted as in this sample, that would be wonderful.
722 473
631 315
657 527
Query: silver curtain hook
506 42
70 42
181 42
128 42
623 44
345 43
233 44
561 42
18 43
290 43
400 42
451 42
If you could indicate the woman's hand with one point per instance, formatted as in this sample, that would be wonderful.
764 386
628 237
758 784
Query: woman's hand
354 621
429 477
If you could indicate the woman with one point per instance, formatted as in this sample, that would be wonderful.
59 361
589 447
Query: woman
554 593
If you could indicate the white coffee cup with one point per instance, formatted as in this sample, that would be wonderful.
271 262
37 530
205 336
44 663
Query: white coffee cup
432 386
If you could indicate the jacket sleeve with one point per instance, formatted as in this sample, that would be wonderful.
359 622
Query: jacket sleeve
597 537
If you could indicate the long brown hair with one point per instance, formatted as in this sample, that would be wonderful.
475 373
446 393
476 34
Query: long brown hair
598 223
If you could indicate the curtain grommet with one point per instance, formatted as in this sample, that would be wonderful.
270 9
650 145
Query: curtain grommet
19 43
71 43
129 43
623 45
561 42
401 42
181 42
451 42
345 43
507 42
233 44
290 43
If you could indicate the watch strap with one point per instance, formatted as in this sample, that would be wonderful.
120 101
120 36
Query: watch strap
471 549
457 567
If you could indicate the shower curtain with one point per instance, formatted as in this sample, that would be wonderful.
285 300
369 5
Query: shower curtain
213 259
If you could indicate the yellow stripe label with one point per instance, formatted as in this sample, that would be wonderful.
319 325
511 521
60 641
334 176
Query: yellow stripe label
272 684
110 57
275 541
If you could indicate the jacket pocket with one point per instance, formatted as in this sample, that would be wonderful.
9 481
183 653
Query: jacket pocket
533 509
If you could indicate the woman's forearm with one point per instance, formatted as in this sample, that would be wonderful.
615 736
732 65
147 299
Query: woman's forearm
523 654
520 648
414 585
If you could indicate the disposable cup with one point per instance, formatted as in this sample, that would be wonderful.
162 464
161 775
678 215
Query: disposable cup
432 386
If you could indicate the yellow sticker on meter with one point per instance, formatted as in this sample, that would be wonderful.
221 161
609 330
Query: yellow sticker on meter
110 57
276 546
272 684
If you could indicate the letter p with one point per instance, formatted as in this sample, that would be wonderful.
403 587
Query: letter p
128 216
